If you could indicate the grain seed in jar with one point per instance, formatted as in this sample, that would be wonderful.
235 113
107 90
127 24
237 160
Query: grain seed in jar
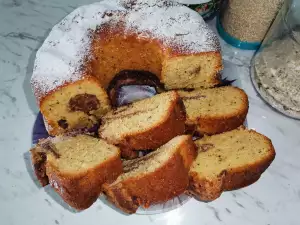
249 20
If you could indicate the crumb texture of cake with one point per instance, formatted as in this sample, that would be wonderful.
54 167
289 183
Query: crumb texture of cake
76 167
229 161
145 124
72 72
74 106
154 178
215 110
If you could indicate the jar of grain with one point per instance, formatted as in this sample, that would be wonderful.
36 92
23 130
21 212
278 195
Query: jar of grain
275 68
248 20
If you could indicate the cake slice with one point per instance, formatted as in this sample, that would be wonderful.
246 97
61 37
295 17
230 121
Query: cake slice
77 105
229 161
216 110
154 178
76 167
145 124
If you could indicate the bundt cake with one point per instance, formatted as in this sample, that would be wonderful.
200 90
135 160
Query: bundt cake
154 178
145 124
76 167
215 110
82 54
229 161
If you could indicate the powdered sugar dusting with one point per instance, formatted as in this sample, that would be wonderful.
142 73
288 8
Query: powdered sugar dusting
175 25
60 58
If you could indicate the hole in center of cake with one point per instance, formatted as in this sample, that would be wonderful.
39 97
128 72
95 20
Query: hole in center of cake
132 93
133 85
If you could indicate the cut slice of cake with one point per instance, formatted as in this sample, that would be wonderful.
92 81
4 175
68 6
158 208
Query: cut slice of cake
145 124
229 161
76 167
154 178
216 110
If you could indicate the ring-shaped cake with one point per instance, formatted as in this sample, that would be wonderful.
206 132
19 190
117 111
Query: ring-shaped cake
84 52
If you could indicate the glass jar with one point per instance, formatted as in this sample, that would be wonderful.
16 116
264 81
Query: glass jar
275 68
244 23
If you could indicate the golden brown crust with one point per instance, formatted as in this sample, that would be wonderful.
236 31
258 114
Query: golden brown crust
230 179
82 190
158 135
210 125
188 151
167 182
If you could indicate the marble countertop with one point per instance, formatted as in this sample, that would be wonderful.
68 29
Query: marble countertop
274 199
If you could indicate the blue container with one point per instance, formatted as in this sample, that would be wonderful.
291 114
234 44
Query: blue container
234 41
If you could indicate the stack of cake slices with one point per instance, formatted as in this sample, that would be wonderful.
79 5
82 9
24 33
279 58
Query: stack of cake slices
227 156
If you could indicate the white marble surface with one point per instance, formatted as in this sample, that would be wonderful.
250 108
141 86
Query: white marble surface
274 199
